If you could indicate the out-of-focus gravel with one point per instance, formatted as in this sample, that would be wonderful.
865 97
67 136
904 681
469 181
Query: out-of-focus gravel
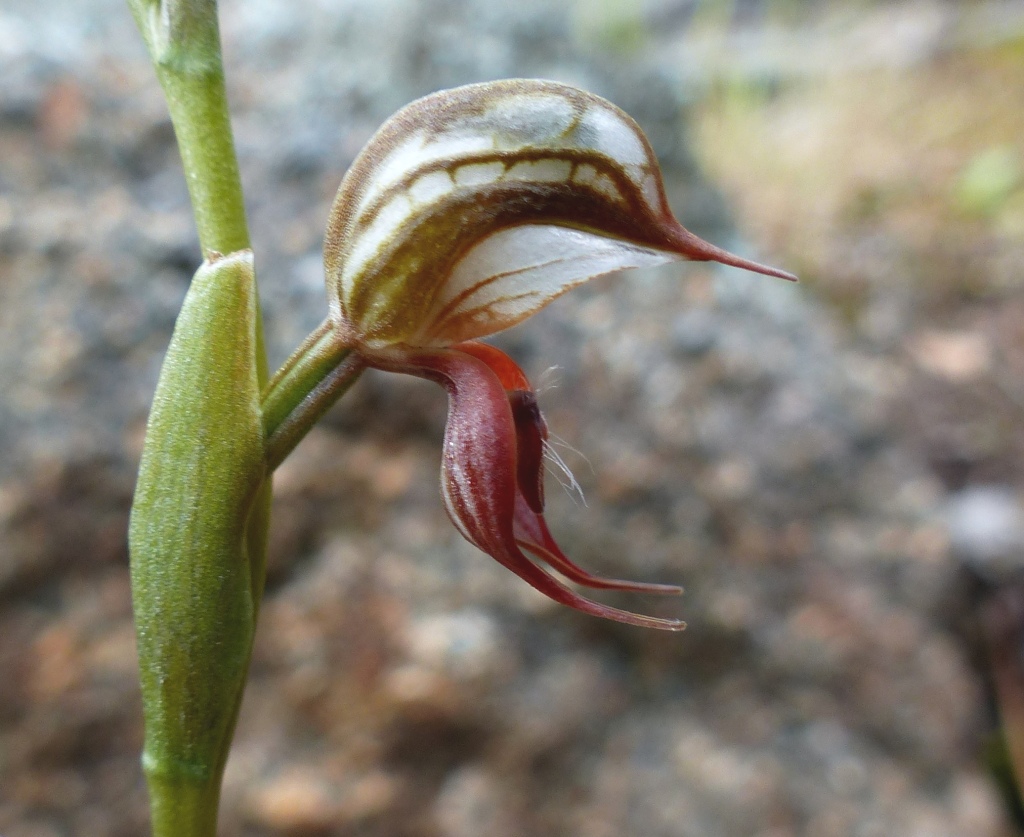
404 684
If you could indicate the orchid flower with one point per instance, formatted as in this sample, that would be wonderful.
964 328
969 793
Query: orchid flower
468 211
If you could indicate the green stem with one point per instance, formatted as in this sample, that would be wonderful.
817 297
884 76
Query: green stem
183 38
199 111
317 374
198 104
183 808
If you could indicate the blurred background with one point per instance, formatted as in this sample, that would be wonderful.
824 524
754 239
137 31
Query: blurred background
833 470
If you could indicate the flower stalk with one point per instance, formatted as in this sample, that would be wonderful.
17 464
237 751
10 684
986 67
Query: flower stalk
318 374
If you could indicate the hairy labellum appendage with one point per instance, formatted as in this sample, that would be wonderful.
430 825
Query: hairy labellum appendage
482 472
473 208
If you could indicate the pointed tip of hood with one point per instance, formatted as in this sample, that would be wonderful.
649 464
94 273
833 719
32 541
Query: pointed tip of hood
696 249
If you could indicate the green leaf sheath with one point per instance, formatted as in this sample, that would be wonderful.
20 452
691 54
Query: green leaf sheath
193 592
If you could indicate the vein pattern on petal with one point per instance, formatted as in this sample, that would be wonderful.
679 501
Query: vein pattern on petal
514 272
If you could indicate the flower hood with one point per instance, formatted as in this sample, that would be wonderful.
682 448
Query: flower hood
467 212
